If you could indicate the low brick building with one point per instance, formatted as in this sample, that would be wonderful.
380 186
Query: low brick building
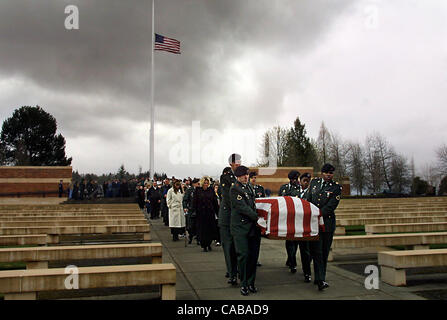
33 181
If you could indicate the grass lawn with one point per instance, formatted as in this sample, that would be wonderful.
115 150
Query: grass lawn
12 265
355 230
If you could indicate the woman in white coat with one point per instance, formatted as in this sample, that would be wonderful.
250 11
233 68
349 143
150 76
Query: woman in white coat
174 200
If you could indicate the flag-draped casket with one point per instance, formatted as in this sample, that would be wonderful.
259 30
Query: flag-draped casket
288 218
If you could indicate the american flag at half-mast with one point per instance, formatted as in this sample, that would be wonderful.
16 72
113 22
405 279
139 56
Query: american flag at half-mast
166 44
288 218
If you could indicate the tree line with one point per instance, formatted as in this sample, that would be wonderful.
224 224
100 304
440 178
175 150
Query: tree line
373 166
121 174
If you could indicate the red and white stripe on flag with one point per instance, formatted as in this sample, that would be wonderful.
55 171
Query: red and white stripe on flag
288 218
166 44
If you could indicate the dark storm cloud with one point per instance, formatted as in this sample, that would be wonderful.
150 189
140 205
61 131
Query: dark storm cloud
101 71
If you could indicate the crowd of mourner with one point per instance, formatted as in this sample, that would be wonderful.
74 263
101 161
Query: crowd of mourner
224 213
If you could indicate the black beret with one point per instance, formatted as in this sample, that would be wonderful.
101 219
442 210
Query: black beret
327 167
195 180
293 174
305 175
240 171
253 174
234 157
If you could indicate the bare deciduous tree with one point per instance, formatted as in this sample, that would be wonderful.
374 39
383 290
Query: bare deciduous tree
323 143
355 166
337 154
400 174
273 146
431 174
441 153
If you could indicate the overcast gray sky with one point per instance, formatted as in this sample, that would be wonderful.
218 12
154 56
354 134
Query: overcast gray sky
246 66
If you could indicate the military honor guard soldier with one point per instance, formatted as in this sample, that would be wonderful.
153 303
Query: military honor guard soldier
259 193
259 190
244 229
325 194
291 189
227 179
304 245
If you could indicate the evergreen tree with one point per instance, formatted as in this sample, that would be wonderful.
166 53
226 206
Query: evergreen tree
299 150
29 138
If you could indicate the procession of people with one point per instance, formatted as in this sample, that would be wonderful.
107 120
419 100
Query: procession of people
224 212
231 203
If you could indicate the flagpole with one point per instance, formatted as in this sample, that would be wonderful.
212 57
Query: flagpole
151 142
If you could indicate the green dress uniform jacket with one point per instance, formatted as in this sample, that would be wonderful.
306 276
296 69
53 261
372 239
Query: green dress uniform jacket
325 196
187 199
259 191
243 208
289 190
246 234
226 181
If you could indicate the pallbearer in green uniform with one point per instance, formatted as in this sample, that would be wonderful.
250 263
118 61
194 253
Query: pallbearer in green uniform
291 189
304 245
259 193
227 179
247 235
259 190
325 194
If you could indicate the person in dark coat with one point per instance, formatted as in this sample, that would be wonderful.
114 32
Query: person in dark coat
163 205
140 198
61 188
75 194
81 189
190 215
154 198
206 208
124 189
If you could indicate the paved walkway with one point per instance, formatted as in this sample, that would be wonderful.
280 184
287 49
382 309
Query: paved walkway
200 275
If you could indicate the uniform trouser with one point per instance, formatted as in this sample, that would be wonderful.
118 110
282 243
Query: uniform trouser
326 242
247 250
218 231
316 256
305 257
319 251
229 250
191 226
291 248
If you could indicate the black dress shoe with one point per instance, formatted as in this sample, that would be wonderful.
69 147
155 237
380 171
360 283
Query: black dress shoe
293 269
322 285
227 275
258 264
307 278
232 281
253 289
244 291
